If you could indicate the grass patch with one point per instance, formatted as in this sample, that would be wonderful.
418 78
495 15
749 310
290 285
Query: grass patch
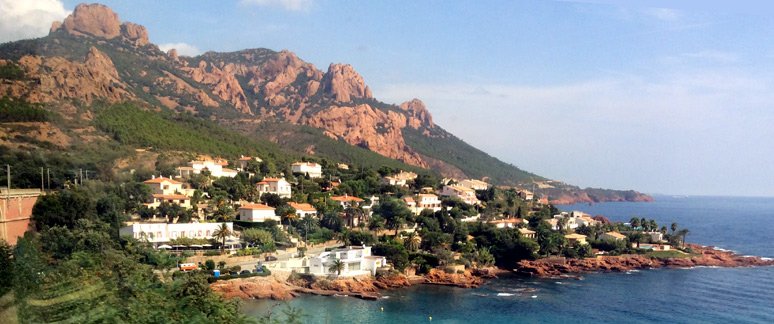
668 254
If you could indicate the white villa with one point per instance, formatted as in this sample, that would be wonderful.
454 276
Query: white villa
278 186
215 167
313 170
508 222
528 233
160 233
257 213
576 239
303 209
347 201
168 190
245 160
357 261
526 195
399 179
467 195
421 202
573 219
474 184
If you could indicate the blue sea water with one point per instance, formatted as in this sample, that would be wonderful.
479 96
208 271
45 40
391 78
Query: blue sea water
698 295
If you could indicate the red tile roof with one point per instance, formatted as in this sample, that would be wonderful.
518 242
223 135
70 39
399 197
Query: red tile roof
256 207
302 206
160 180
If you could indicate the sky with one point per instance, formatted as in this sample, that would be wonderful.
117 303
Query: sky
670 97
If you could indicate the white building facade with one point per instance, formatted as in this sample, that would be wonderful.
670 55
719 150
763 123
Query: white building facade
357 261
313 170
160 233
278 186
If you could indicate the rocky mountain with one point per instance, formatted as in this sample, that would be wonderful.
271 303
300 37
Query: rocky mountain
93 58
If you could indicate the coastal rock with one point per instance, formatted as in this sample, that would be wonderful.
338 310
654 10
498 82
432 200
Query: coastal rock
704 256
343 83
463 280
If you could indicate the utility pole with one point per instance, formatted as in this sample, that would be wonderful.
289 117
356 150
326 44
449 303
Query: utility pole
81 174
42 187
48 173
8 170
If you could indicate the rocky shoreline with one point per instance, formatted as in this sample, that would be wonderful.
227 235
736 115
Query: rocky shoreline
702 256
285 286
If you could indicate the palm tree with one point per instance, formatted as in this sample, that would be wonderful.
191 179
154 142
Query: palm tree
674 227
653 225
336 266
414 241
682 233
221 233
634 222
644 224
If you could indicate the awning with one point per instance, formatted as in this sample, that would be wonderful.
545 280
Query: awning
166 247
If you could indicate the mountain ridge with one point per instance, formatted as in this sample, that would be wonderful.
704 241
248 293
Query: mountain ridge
94 57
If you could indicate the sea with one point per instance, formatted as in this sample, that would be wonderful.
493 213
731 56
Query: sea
695 295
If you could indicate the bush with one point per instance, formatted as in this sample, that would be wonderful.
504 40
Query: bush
209 264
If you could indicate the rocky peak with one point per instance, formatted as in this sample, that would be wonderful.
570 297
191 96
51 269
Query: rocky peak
93 19
135 33
344 83
100 21
417 114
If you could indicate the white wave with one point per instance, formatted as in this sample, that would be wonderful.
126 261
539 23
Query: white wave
559 283
767 259
534 296
504 294
385 297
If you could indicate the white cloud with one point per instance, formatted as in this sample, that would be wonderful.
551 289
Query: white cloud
664 14
183 49
657 134
291 5
28 19
713 55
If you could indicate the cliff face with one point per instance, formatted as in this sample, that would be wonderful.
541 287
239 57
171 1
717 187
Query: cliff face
93 56
51 79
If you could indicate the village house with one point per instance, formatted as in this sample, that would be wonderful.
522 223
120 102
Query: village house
357 260
170 191
474 184
654 236
277 186
303 209
244 161
572 220
576 239
467 195
526 195
507 223
257 213
612 236
528 233
347 201
313 170
400 179
342 166
421 202
160 233
214 166
652 247
16 212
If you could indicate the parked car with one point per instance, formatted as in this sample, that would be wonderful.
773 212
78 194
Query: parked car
232 273
271 258
244 272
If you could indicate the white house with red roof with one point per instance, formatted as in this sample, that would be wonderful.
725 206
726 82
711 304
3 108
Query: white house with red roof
245 160
313 170
303 209
278 186
257 213
347 201
170 191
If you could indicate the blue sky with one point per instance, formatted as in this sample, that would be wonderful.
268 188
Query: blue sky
657 96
